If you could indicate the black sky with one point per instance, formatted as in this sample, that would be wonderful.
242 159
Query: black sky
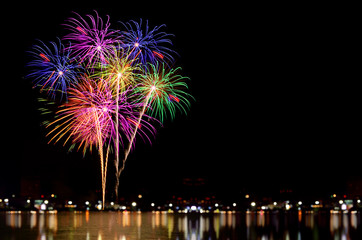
276 90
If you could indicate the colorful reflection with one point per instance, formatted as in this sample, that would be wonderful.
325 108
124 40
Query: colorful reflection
162 225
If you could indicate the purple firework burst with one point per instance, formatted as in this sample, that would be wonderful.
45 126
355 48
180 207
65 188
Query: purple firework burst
91 40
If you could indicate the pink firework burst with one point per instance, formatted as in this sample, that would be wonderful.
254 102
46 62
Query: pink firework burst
91 39
88 117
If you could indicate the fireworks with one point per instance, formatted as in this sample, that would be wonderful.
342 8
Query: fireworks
163 90
118 84
119 69
150 45
52 68
92 39
87 116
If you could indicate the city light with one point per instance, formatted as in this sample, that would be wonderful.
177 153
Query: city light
43 207
182 205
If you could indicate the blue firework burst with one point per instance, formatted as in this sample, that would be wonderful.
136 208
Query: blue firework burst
52 68
145 44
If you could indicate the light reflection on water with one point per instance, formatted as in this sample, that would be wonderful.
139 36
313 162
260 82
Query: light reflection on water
159 225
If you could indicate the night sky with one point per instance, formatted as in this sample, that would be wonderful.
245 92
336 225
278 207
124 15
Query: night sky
277 100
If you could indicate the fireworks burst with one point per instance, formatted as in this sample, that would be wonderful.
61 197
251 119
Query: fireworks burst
149 45
163 90
91 41
119 69
52 68
116 90
160 91
88 117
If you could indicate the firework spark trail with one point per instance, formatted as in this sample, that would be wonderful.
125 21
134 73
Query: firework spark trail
162 90
87 119
103 162
137 123
118 70
136 127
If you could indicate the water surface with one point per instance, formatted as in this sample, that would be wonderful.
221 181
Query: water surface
161 225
